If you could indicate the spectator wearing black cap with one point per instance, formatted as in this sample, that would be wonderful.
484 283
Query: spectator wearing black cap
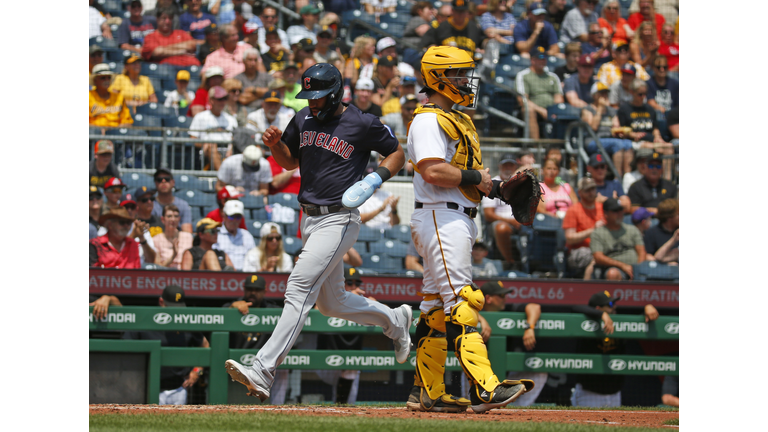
495 301
597 169
579 223
95 198
602 390
662 242
276 54
140 231
461 30
620 91
114 249
175 381
578 87
540 87
386 79
144 198
131 33
248 172
211 44
616 246
102 167
164 185
481 265
303 49
202 256
291 77
536 32
500 222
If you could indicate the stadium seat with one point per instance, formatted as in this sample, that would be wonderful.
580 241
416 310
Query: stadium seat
115 67
260 215
399 232
136 180
515 60
156 110
142 120
189 182
392 248
518 10
207 209
286 200
554 63
196 197
361 247
113 7
197 212
104 43
291 245
115 56
508 71
381 263
560 115
158 71
655 271
252 202
175 121
290 229
254 227
542 244
369 234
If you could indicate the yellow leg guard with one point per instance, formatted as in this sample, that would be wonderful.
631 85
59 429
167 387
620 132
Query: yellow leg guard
469 346
431 353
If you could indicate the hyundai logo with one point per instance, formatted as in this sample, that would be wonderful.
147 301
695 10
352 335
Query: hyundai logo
337 322
162 318
334 360
247 359
590 326
672 328
617 364
250 320
413 361
506 323
534 362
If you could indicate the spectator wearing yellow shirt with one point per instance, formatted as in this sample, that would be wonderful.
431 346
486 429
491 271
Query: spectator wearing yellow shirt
407 87
104 107
135 88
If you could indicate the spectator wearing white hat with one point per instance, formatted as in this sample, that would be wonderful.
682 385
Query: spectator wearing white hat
248 172
217 124
232 239
105 108
269 255
363 93
212 77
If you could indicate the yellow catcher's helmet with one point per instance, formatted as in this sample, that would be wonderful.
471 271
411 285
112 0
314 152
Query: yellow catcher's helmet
461 86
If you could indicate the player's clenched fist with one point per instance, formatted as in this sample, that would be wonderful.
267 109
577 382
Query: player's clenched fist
271 136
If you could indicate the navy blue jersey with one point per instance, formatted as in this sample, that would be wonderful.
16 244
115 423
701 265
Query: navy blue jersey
333 156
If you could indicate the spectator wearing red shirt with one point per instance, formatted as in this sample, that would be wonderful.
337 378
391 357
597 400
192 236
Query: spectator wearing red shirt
212 77
579 222
647 13
669 48
283 180
115 249
226 193
169 46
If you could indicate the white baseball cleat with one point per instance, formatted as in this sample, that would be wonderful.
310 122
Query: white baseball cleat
243 375
403 343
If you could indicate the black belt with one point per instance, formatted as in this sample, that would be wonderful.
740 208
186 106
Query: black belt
471 212
321 210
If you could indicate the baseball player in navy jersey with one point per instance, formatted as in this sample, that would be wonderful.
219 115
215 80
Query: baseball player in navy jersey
449 182
330 143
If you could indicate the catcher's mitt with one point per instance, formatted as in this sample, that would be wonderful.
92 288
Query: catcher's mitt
522 192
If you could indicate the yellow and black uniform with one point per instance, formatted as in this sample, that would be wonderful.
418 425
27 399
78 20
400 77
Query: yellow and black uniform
467 37
110 112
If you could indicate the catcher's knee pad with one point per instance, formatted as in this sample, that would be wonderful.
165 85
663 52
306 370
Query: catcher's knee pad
431 352
467 342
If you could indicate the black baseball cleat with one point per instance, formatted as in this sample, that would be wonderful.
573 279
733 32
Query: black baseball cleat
419 400
504 394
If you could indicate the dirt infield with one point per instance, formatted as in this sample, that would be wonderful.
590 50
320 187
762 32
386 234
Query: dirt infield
648 419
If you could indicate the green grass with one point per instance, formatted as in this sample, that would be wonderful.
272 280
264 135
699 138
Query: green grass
260 421
673 422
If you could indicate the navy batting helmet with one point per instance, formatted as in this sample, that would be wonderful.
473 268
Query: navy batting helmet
320 80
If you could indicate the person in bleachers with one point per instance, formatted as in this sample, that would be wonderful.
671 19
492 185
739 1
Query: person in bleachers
102 167
648 13
114 249
412 259
165 185
136 89
268 18
171 243
308 28
641 218
597 169
578 86
132 31
202 255
212 77
182 97
407 87
379 7
525 158
166 4
97 22
106 108
498 216
613 24
140 231
579 223
558 197
572 55
230 57
144 199
398 121
498 24
380 210
326 51
541 87
235 88
637 167
269 256
236 242
575 27
422 15
211 44
291 77
662 242
610 72
386 80
568 169
303 49
101 304
535 32
461 30
277 55
95 56
663 91
620 92
644 47
602 118
218 125
255 81
225 194
169 46
597 45
670 48
95 202
673 125
555 14
363 93
616 246
361 60
481 265
248 172
271 113
113 190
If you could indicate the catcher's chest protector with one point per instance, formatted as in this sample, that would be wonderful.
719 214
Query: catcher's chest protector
459 126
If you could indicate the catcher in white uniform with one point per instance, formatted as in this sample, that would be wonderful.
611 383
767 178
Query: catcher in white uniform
449 182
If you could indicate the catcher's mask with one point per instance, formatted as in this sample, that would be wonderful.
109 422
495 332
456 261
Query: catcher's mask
450 71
